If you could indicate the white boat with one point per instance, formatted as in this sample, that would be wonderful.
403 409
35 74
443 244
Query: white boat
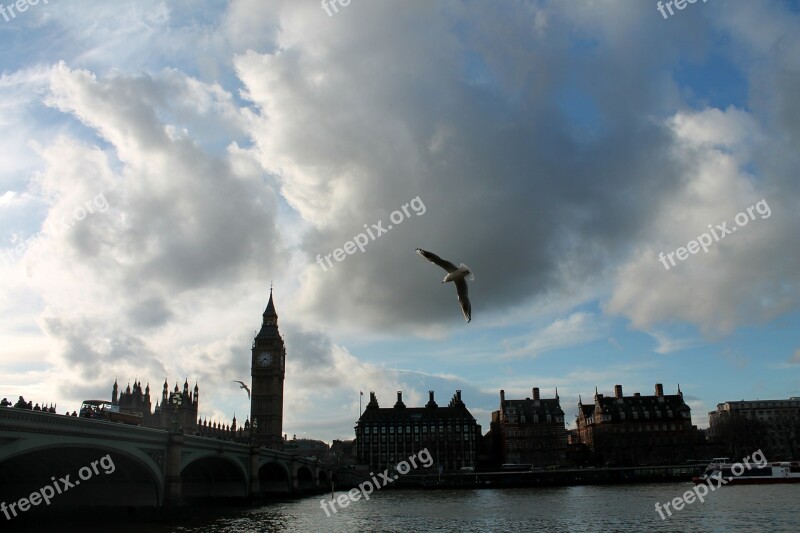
722 472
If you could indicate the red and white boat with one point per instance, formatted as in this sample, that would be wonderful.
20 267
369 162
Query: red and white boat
773 472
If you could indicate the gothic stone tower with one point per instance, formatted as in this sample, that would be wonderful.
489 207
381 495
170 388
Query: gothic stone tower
267 368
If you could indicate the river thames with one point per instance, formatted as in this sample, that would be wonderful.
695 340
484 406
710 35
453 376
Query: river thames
618 508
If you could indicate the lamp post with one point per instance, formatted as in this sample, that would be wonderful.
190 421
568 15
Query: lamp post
253 429
176 401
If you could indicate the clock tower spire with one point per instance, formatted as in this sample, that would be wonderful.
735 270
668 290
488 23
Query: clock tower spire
267 368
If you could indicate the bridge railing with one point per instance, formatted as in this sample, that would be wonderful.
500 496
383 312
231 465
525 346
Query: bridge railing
12 418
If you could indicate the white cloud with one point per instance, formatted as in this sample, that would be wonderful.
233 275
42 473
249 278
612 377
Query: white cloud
576 329
233 143
714 290
668 345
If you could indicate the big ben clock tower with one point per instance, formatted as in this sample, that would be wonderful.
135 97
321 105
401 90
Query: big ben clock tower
267 368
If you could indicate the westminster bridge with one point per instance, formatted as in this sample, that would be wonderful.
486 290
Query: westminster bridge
112 464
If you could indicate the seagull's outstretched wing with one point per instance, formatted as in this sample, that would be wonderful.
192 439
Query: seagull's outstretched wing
435 259
463 298
243 386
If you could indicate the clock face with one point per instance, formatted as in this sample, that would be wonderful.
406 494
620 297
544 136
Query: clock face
264 358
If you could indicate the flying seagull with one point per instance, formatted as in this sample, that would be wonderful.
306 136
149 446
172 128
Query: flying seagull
243 386
457 274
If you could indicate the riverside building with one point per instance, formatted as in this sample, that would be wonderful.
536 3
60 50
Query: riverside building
386 436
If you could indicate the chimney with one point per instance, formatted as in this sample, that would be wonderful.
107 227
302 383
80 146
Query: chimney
536 393
618 391
502 396
458 395
659 389
431 403
636 395
399 400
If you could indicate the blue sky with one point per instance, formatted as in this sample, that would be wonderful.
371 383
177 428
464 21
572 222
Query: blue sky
163 162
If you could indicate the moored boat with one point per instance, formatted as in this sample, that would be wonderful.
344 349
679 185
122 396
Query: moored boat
722 472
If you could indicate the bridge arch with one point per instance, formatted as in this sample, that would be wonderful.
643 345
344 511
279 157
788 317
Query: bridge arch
213 476
305 478
323 479
93 475
274 478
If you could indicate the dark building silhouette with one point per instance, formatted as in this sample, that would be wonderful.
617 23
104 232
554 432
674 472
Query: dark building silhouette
637 430
529 431
267 369
342 452
178 409
386 436
134 401
772 426
307 448
217 430
166 413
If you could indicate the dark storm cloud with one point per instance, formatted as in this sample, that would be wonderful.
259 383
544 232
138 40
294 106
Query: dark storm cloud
92 350
149 313
310 349
510 187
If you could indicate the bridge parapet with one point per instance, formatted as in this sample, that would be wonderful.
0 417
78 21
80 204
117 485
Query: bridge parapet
170 467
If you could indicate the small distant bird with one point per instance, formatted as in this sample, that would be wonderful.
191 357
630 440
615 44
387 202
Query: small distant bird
243 386
457 274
